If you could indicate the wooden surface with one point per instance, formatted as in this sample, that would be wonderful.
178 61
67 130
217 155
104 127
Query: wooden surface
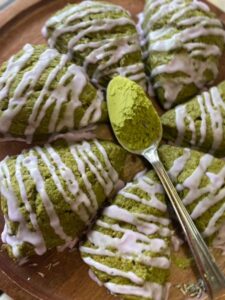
59 276
219 3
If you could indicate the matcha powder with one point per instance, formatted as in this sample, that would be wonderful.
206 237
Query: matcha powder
135 122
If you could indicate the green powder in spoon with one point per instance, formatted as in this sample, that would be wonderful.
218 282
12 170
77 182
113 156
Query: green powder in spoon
135 122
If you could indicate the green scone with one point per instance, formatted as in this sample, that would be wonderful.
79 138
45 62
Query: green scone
128 250
99 36
184 42
199 179
42 93
50 195
199 123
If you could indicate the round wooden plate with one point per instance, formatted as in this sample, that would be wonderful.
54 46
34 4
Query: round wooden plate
56 276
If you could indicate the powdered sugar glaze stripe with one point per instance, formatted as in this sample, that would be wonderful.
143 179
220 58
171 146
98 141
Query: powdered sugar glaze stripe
211 105
177 32
106 52
133 243
58 97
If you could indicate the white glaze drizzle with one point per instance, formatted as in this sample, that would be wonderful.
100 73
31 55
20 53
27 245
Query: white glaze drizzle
129 243
94 277
81 169
31 163
148 290
13 67
58 96
28 82
127 251
153 188
203 127
102 176
180 113
68 15
75 205
111 171
205 197
193 181
120 214
42 247
113 271
83 203
170 37
105 52
94 111
193 69
72 184
179 164
216 117
204 20
211 105
24 233
154 202
133 242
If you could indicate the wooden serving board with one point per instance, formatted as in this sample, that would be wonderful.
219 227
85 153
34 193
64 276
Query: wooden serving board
59 276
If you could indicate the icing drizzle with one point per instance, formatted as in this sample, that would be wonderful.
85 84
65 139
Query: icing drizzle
105 53
180 36
202 196
83 203
65 96
146 232
211 107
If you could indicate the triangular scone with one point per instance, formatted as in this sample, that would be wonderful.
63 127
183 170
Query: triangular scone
199 179
128 248
184 42
199 123
42 93
99 36
50 195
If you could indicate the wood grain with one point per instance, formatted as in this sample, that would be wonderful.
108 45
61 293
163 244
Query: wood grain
20 24
15 9
219 3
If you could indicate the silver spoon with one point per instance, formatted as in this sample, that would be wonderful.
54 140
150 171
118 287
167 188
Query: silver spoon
210 273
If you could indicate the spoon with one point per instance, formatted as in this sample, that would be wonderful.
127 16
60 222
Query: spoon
131 115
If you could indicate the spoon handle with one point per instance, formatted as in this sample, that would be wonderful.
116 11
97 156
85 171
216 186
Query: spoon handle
209 271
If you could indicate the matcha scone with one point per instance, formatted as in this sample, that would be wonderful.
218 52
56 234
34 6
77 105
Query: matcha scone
42 93
199 179
99 36
199 123
128 250
50 195
184 42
